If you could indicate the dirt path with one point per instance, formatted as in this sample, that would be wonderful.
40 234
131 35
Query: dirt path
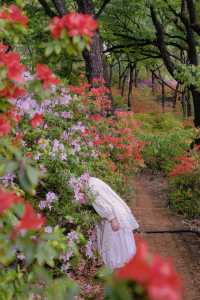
150 208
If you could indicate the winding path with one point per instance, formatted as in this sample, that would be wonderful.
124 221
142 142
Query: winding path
150 208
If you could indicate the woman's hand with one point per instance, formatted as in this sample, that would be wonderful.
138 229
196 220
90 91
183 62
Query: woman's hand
115 224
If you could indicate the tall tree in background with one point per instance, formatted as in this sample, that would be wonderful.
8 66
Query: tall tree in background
94 58
160 31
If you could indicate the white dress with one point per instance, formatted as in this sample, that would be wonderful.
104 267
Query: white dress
115 247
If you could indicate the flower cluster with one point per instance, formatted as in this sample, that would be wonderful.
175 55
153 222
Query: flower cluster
36 120
155 274
186 165
78 185
29 220
13 14
45 74
51 197
58 150
5 127
75 24
72 238
7 179
12 75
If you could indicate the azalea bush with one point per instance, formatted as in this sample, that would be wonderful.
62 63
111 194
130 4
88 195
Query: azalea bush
146 276
184 185
165 139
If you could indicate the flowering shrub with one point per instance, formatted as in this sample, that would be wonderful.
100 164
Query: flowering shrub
49 146
165 139
155 277
184 182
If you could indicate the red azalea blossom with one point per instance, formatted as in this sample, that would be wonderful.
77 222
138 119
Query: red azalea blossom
30 220
14 116
5 127
99 91
3 48
11 62
7 199
96 118
37 120
75 24
45 74
18 138
186 165
13 14
11 91
155 274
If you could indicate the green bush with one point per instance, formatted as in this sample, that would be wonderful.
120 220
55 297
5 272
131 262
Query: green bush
166 138
184 194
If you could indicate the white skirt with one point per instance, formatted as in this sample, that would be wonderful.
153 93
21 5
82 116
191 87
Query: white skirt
115 247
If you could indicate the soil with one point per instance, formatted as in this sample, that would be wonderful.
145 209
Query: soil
151 210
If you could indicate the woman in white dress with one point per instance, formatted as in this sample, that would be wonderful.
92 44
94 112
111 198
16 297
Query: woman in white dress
115 240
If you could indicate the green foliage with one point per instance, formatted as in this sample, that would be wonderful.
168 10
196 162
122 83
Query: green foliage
184 194
166 138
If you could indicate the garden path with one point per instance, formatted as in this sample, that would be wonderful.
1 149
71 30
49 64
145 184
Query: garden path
152 212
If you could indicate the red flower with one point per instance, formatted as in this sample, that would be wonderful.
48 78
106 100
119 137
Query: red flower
11 91
138 269
96 118
13 14
14 116
29 154
75 24
3 48
79 24
164 283
99 91
11 62
18 138
30 220
5 127
36 120
7 199
186 165
56 27
155 274
45 74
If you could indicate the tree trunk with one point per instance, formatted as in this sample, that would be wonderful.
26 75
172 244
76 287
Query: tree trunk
119 73
175 96
196 103
124 83
130 88
163 96
94 57
135 76
153 83
110 74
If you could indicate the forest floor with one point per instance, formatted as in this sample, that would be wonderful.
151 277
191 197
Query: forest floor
151 210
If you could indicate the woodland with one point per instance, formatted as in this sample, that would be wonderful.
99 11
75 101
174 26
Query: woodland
110 89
